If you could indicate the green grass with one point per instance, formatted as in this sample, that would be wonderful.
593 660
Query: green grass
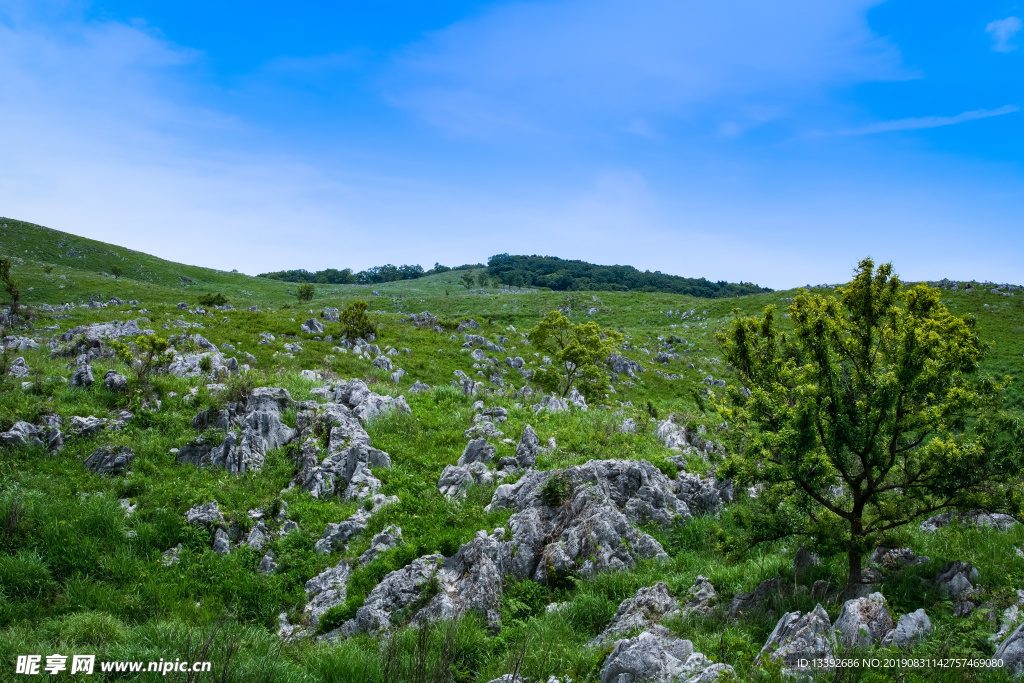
74 580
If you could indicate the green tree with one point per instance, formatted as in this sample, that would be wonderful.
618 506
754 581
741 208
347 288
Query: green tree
305 292
467 280
145 356
578 354
868 417
11 286
117 271
355 322
482 280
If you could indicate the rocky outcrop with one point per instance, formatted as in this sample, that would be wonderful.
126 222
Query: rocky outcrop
110 459
395 592
621 365
86 426
207 514
978 518
382 542
702 597
911 629
337 536
22 434
799 637
863 621
326 590
647 608
756 600
1010 653
528 448
313 326
896 558
456 479
114 381
708 496
955 581
587 529
82 377
659 656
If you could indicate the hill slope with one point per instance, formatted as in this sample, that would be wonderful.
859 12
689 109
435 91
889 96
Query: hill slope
79 574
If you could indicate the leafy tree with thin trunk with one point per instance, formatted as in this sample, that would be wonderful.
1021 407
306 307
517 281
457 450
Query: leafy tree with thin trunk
467 280
305 292
355 323
868 417
116 271
578 353
148 354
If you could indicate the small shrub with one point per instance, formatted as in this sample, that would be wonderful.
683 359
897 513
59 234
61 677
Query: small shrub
555 490
117 272
48 269
205 364
354 321
305 292
217 299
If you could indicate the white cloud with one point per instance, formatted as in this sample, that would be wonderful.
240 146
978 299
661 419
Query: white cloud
560 65
1003 31
932 121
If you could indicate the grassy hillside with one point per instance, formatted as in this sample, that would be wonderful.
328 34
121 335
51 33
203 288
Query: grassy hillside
78 575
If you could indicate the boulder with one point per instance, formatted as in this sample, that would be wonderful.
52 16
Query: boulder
86 426
703 597
18 368
312 326
755 600
628 426
114 381
337 536
799 637
456 479
382 363
82 377
528 448
702 495
418 387
267 564
382 542
207 514
863 622
955 580
221 542
804 560
911 629
477 450
1010 653
110 459
576 398
396 591
978 518
326 590
22 434
647 608
658 656
896 558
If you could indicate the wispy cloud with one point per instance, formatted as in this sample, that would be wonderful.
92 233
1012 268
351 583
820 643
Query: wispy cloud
1003 31
573 65
932 121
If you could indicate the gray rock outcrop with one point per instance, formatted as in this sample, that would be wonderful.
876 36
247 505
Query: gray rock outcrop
659 656
911 629
22 434
799 637
114 381
337 536
978 518
647 608
387 539
1011 652
82 377
863 622
456 479
702 597
110 459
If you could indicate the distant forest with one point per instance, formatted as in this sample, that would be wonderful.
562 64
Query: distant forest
535 271
377 274
562 275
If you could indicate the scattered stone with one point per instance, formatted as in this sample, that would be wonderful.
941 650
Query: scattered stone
22 434
456 479
18 368
803 561
799 637
1010 653
648 607
659 656
86 426
978 518
896 558
703 597
207 514
628 426
863 621
221 542
337 536
418 387
754 601
955 581
267 564
114 381
911 629
172 556
390 538
477 450
313 326
527 448
110 459
82 377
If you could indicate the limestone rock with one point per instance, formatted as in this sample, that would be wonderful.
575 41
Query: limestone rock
896 558
799 636
911 629
267 564
312 326
114 381
863 621
456 479
702 597
221 542
384 541
527 448
110 459
477 450
337 536
978 518
648 607
755 600
82 377
86 426
1011 652
22 434
658 656
325 590
207 514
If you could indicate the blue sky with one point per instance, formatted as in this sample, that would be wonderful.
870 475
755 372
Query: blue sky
742 140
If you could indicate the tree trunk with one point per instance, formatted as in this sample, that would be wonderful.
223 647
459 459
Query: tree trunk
855 556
